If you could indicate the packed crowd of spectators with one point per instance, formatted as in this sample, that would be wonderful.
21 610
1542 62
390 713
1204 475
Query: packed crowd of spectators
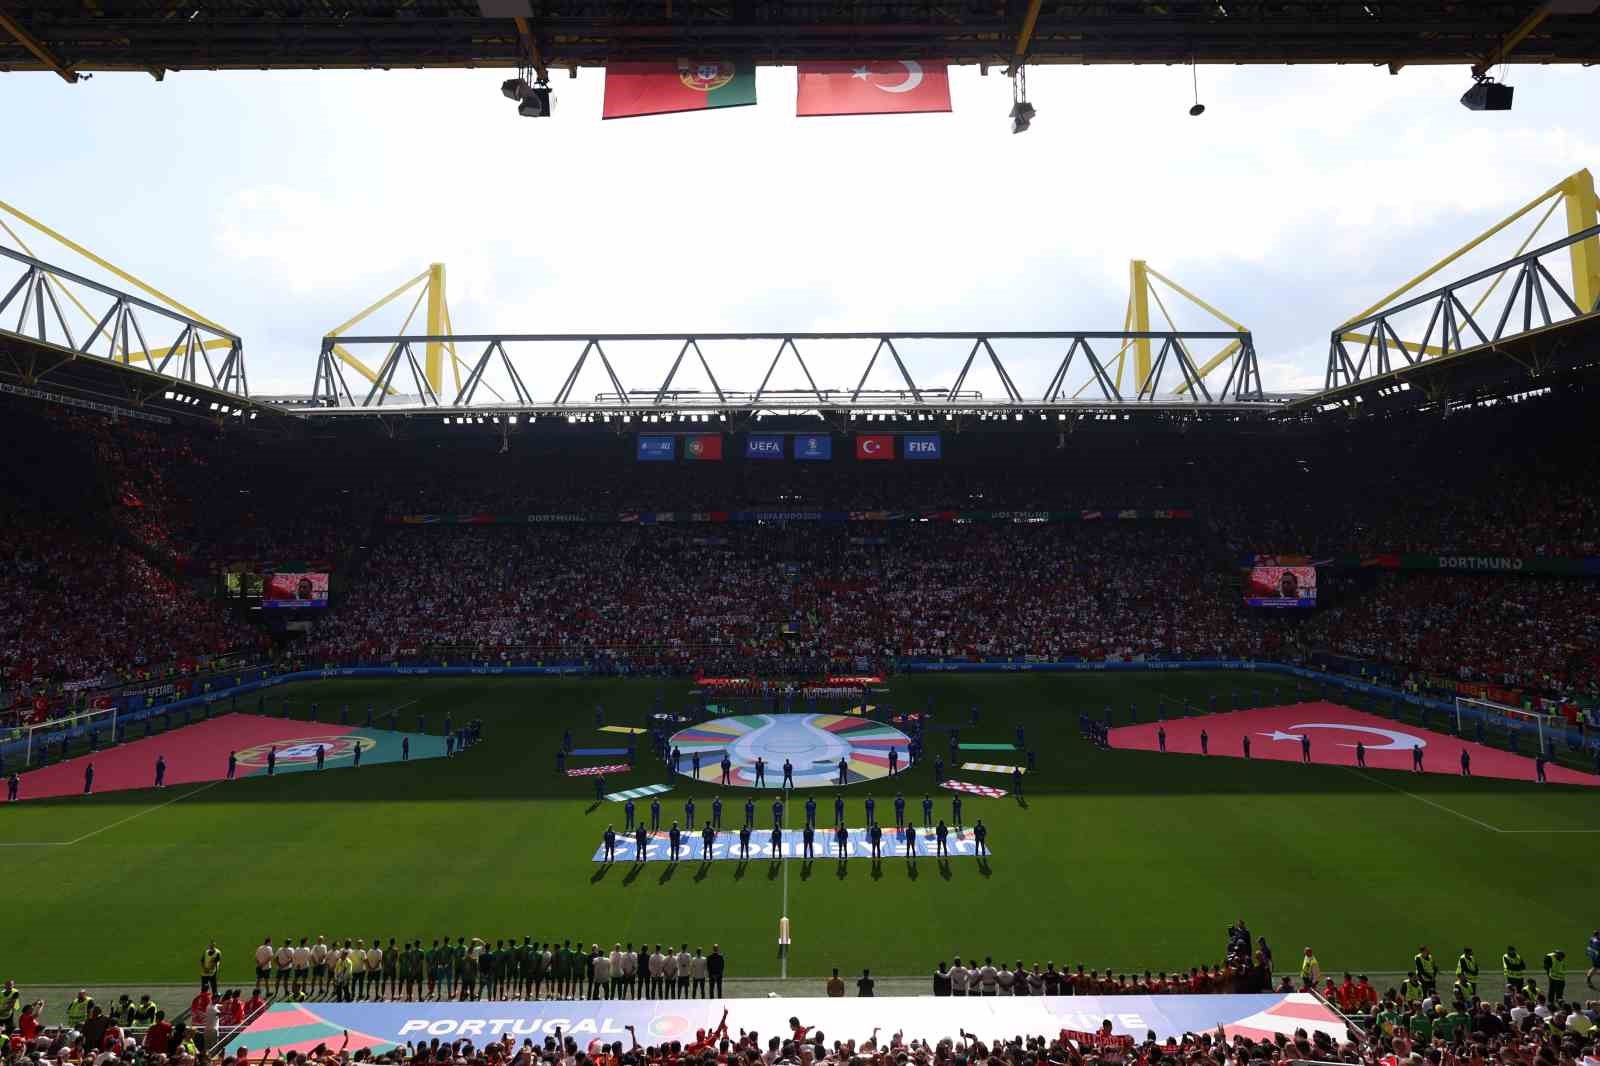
105 582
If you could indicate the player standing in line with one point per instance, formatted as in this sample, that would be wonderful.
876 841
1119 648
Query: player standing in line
599 789
927 812
627 816
875 834
694 765
777 842
319 967
302 970
1416 759
357 753
1594 958
841 840
1466 763
807 836
688 813
322 755
761 772
744 842
641 843
233 764
727 769
708 837
980 833
611 844
674 840
264 954
811 812
788 774
1205 743
844 773
716 812
88 779
655 815
899 810
13 786
871 807
1361 754
1538 767
838 810
1016 781
777 813
1161 738
894 761
941 847
955 810
911 845
938 767
1246 741
1305 748
283 968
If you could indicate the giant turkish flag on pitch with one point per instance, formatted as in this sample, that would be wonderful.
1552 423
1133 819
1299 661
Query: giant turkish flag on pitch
873 87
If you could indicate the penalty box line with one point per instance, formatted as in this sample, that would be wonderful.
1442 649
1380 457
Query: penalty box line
110 826
1465 817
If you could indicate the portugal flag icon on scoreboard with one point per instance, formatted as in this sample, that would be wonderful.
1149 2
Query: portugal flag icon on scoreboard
872 87
875 446
662 88
703 446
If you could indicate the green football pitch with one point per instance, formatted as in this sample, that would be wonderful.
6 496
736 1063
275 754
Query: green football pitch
1116 858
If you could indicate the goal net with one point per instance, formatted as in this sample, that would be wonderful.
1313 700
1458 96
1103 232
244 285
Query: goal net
97 726
1472 713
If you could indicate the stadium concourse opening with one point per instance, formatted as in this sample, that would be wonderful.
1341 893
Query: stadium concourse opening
1328 734
197 754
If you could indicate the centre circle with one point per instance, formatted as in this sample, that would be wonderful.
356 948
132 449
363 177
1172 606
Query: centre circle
812 743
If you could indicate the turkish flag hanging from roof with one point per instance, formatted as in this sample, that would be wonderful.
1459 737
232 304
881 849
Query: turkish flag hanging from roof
872 87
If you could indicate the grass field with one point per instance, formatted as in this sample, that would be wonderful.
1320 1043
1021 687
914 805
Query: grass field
1117 858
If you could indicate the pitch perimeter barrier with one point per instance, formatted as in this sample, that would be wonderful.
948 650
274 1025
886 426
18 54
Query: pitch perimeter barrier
1572 738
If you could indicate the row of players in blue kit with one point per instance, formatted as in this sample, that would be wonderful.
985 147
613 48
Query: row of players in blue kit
708 836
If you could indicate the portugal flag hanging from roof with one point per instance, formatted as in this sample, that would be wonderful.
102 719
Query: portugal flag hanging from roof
872 87
662 88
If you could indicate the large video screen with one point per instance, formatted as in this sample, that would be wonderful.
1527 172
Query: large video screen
299 589
1282 586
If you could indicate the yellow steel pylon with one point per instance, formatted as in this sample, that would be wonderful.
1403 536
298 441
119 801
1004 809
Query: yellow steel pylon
438 325
1136 319
1577 193
155 294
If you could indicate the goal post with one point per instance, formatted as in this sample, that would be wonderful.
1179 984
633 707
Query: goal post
70 728
1470 711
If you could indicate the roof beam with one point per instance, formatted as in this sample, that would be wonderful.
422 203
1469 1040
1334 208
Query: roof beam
37 47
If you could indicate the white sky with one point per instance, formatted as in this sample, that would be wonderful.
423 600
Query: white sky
281 203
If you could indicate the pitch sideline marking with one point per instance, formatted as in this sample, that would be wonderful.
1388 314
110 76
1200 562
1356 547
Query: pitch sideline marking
147 810
1423 799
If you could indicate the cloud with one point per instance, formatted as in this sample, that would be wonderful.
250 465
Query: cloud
1302 195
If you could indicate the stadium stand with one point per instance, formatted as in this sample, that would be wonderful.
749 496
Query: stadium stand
116 533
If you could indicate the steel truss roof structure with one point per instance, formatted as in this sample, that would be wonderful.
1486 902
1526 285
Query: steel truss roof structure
68 36
1083 361
44 297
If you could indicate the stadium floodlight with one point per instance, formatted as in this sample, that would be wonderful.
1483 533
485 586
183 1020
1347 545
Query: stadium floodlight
533 98
1022 114
1487 94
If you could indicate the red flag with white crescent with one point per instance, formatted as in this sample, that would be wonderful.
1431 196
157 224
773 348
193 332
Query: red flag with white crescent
872 87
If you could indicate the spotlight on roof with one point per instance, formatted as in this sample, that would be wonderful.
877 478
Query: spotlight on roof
1487 95
533 98
1022 114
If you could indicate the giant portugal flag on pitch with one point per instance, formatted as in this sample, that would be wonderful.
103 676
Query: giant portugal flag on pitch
872 87
662 88
703 446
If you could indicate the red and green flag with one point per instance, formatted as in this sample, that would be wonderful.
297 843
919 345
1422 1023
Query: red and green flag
703 446
663 88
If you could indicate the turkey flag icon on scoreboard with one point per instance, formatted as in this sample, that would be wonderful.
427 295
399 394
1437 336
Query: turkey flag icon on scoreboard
875 446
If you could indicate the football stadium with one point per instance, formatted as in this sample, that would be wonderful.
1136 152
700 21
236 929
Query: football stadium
457 685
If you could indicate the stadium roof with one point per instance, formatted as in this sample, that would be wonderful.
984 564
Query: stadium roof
160 35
